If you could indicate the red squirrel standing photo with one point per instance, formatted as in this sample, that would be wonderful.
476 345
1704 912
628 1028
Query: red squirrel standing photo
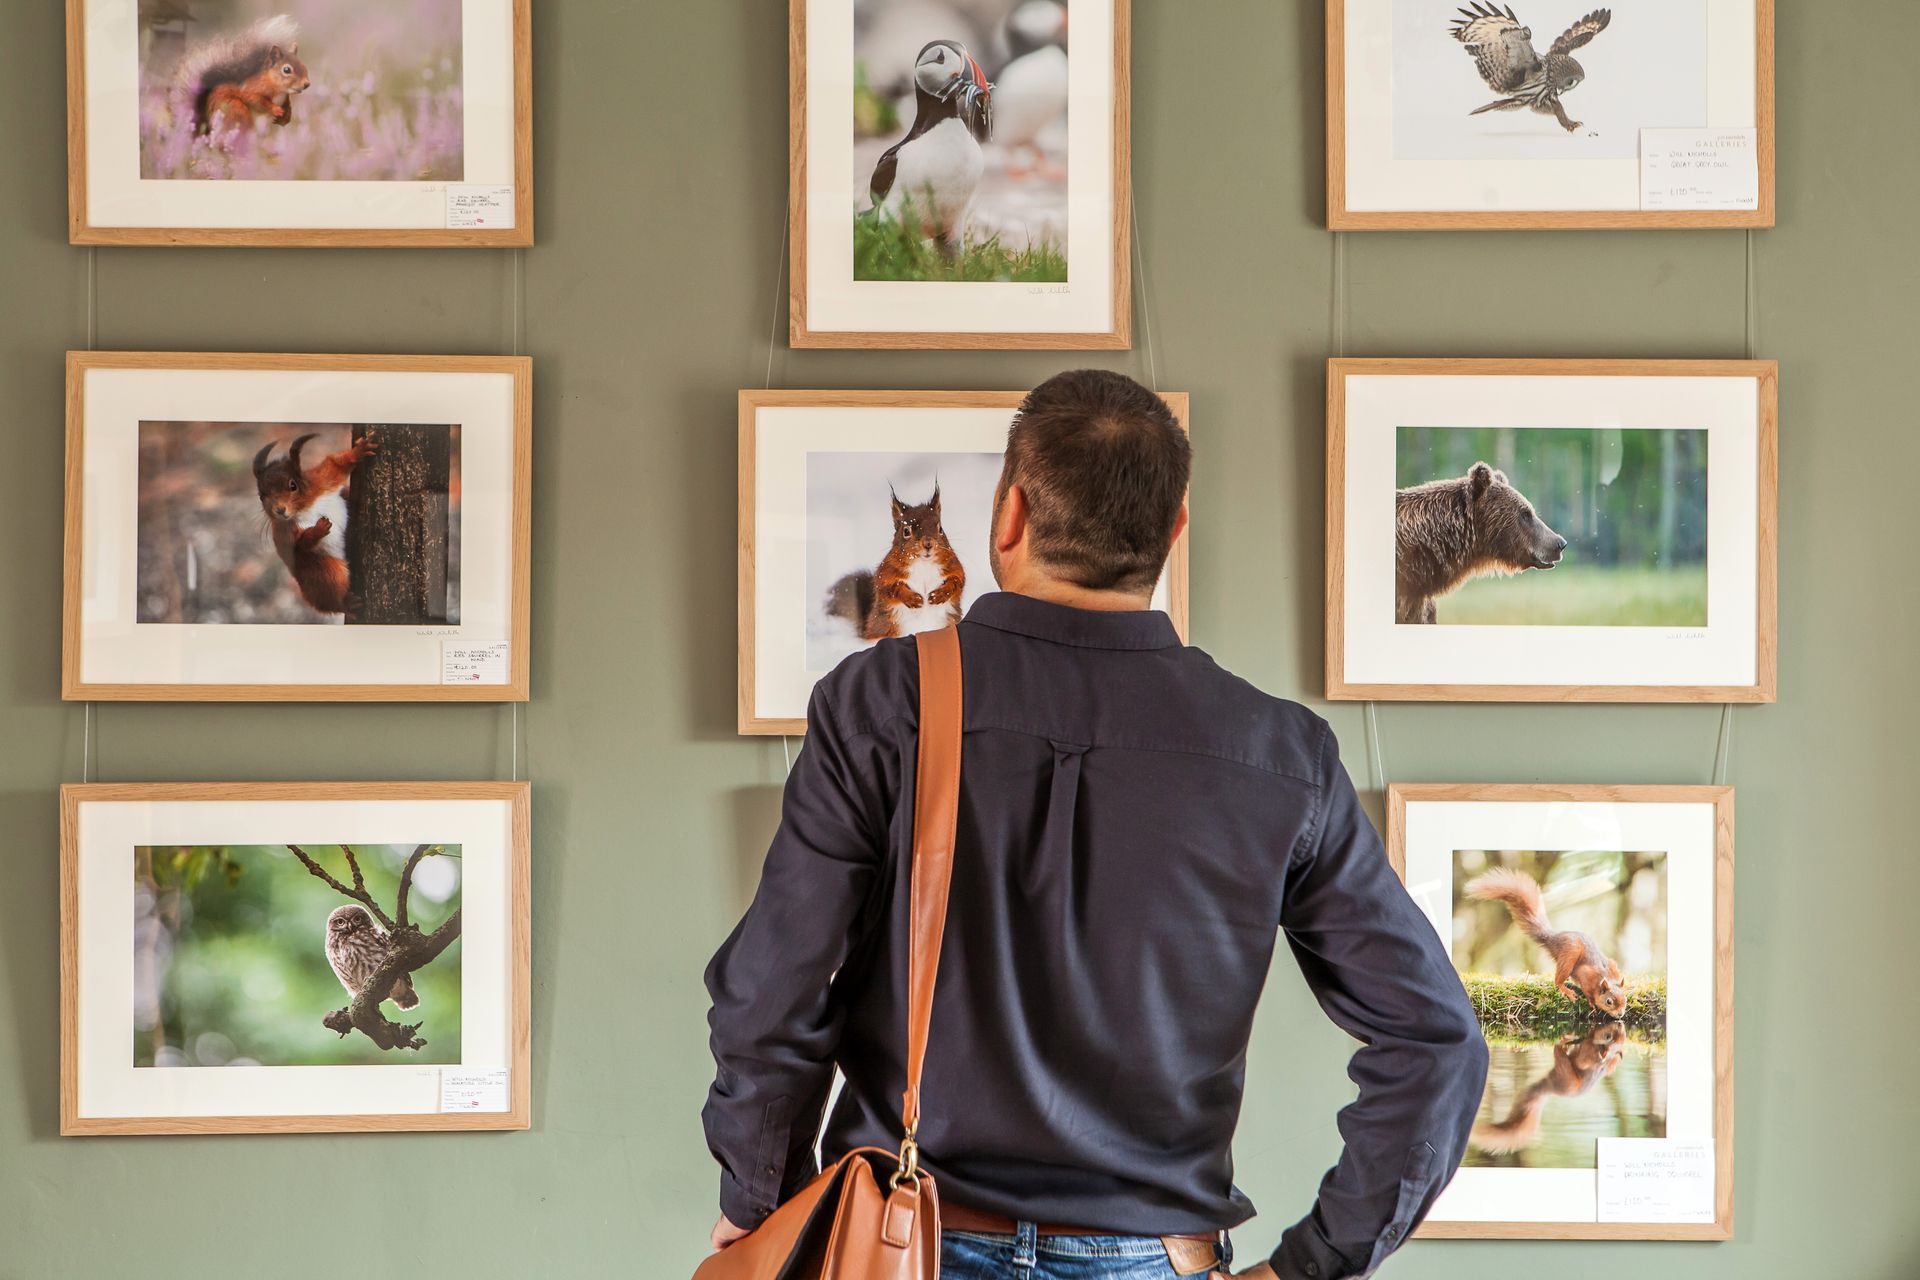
306 510
916 586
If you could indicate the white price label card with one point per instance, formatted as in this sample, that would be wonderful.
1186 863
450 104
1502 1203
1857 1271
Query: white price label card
475 206
467 1089
1700 169
1656 1180
464 662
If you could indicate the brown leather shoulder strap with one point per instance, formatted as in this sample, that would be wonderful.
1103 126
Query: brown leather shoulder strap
936 812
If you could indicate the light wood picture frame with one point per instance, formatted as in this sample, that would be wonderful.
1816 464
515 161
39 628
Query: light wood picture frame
816 469
1079 299
1678 859
149 164
1708 631
443 866
169 547
1377 181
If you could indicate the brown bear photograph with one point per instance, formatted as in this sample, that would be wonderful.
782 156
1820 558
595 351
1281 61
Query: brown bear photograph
1506 526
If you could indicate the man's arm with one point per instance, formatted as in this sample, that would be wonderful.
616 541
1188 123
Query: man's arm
1380 972
774 1031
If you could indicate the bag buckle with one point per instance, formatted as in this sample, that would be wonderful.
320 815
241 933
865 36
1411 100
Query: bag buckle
909 1170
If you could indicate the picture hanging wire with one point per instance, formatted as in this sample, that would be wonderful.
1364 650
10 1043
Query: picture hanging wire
1337 325
779 276
1723 751
1146 303
1376 758
93 330
518 260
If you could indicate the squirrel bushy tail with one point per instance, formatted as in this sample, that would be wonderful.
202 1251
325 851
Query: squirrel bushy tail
229 59
1521 893
851 597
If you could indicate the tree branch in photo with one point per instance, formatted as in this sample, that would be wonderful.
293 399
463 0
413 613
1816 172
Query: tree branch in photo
408 949
406 879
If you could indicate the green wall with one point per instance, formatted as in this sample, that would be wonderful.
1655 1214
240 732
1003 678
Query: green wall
660 135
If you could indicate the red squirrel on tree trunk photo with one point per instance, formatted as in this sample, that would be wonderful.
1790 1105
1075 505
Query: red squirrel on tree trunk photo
307 511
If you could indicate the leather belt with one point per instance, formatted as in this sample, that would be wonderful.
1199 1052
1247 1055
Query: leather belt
957 1217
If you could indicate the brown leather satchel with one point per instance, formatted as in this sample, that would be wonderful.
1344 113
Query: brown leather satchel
842 1226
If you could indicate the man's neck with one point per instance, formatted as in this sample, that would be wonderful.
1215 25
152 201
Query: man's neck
1075 596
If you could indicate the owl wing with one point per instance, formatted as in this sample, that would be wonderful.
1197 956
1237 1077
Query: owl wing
1502 49
1582 31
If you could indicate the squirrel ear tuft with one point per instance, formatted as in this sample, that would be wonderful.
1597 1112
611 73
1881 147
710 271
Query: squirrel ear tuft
1479 478
260 459
274 54
293 451
294 48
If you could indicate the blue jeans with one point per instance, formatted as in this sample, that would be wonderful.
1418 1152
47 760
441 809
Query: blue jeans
1027 1255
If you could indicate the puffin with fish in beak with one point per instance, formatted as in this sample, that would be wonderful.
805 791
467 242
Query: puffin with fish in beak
927 180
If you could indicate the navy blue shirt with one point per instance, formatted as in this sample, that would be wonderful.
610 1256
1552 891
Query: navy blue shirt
1136 828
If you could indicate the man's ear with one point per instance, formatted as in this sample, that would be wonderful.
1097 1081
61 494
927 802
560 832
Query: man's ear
1478 480
1012 528
1179 524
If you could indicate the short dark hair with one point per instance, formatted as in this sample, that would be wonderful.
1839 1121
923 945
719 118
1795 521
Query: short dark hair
1104 465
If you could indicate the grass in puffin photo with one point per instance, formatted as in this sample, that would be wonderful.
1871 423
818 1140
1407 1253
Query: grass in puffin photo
960 140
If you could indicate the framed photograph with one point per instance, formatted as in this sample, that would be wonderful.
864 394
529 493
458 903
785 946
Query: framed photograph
1490 114
300 122
1551 530
1593 929
297 527
960 174
294 957
840 488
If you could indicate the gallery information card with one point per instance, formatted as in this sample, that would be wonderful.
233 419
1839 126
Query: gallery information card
1700 169
464 662
468 1089
1656 1180
471 206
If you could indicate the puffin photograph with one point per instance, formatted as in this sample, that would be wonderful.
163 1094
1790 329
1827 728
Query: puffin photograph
927 180
960 140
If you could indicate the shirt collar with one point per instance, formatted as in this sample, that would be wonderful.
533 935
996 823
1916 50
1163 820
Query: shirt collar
1063 624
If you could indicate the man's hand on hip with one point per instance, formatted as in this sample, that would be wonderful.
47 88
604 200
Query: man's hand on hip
1259 1271
725 1233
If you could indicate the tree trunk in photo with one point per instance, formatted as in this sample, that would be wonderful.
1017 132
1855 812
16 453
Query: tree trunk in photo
397 526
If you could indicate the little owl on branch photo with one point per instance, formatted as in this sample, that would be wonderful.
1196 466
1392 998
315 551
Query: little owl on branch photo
1503 51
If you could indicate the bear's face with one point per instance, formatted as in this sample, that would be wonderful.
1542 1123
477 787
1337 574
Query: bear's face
1508 532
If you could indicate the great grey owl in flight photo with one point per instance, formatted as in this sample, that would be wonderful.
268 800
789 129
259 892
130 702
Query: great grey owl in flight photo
1503 51
355 948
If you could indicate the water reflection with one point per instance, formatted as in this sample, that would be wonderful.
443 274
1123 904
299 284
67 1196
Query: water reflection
1548 1101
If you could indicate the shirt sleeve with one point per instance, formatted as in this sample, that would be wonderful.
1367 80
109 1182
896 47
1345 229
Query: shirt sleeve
1379 970
774 1030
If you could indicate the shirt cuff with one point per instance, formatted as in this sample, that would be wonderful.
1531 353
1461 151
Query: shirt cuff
1304 1254
739 1204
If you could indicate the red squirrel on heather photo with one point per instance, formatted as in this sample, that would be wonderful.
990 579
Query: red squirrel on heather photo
1578 963
917 585
306 509
237 81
